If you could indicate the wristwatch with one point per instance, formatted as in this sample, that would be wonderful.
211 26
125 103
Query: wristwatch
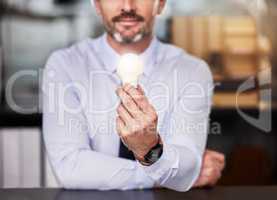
153 154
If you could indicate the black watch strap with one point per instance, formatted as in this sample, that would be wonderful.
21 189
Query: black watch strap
154 154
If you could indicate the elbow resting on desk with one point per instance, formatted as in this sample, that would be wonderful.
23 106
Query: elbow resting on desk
84 169
71 174
177 171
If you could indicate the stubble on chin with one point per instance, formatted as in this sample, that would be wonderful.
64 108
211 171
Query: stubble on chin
118 36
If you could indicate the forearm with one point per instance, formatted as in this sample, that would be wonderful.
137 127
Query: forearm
86 169
177 169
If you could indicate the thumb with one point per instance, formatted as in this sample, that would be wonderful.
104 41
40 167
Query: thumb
140 90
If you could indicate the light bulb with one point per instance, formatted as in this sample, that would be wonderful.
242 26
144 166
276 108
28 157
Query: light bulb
129 69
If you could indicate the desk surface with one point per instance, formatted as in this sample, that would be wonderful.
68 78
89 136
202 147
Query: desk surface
218 193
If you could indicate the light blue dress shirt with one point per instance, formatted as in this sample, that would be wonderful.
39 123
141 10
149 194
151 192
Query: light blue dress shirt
79 112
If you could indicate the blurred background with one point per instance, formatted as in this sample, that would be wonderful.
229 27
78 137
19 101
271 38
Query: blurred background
236 37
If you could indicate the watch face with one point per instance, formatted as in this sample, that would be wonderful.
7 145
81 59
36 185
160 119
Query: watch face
154 154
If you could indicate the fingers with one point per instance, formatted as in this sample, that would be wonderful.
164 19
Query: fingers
124 114
212 162
217 155
129 103
121 130
220 158
203 181
208 177
120 127
139 98
211 172
140 90
220 165
212 166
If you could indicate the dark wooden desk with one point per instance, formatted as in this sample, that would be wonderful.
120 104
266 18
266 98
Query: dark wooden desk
218 193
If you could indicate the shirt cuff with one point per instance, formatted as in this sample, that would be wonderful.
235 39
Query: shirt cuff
168 160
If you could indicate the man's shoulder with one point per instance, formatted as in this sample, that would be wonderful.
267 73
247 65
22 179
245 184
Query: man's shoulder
180 59
72 62
76 51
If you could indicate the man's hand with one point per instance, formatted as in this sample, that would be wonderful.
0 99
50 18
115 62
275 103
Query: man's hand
212 166
137 121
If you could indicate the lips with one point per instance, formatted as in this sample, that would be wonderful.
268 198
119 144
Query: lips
129 22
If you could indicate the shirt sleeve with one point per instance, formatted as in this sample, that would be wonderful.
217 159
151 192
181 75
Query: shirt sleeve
76 165
184 134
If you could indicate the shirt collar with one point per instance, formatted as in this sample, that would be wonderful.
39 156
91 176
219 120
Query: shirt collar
111 58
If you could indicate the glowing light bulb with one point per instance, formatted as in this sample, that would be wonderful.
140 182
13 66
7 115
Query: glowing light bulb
130 68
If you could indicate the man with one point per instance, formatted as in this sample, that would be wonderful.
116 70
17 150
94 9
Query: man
100 134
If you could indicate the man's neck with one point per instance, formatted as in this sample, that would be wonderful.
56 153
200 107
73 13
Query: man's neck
137 47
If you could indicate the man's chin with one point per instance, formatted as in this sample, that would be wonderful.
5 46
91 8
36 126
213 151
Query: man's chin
127 39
